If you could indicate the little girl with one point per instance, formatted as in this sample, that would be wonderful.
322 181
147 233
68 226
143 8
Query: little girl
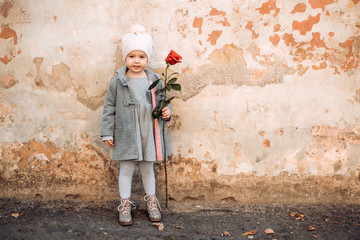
128 125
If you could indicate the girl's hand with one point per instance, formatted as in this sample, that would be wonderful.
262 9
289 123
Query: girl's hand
165 113
110 143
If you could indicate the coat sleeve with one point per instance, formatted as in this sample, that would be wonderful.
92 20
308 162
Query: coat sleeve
108 117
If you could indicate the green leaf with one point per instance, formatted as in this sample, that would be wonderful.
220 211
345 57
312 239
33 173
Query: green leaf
158 91
173 74
154 84
172 81
168 87
176 87
169 100
162 104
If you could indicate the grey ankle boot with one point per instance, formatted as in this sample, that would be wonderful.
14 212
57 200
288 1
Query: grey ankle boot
153 208
124 208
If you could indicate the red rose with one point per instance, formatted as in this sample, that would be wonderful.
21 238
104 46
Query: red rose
173 58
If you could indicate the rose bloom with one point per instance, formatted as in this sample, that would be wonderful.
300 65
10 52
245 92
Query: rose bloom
173 58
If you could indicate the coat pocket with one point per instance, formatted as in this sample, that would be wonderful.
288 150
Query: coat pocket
125 144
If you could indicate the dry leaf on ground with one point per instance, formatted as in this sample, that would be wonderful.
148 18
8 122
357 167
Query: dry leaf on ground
310 228
297 215
301 216
314 236
160 226
250 237
179 227
225 234
294 214
16 215
249 233
269 231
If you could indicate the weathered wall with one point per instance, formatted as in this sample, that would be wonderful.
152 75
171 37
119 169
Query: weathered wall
270 107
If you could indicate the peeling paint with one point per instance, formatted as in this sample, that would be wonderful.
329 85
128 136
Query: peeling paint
316 41
289 39
352 46
60 77
37 62
197 168
7 33
8 82
306 25
300 7
213 37
269 6
322 65
249 26
329 144
91 102
274 39
5 8
357 96
5 59
41 164
320 3
175 123
215 12
231 71
6 111
250 189
199 180
266 143
277 28
228 54
198 22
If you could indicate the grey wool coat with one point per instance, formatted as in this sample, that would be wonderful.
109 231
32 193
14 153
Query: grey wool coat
118 119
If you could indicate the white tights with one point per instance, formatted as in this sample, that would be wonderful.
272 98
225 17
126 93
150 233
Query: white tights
127 169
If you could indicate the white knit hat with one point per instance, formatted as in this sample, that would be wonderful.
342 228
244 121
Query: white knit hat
137 39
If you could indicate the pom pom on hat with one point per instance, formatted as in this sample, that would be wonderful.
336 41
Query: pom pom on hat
137 28
137 39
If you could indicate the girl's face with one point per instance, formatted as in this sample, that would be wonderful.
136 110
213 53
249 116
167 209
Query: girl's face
136 62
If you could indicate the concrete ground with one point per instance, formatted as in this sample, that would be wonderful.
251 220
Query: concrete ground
35 219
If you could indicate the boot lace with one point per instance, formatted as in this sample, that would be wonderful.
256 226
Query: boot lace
125 205
153 203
